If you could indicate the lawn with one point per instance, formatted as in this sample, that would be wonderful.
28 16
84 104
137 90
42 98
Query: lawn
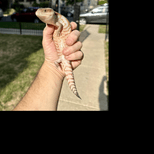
24 25
81 27
107 63
20 59
102 28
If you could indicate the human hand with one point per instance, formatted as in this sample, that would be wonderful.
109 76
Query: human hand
71 53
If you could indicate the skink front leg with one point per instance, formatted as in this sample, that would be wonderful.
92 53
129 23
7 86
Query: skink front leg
59 25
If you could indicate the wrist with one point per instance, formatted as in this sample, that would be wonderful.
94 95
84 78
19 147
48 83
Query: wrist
50 67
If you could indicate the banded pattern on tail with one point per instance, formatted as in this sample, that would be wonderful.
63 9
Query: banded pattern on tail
70 76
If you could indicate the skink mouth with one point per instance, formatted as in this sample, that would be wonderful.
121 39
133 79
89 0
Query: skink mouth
37 12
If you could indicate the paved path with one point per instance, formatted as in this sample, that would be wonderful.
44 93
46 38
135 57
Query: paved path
90 76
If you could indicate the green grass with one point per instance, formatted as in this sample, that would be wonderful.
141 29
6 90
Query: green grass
20 59
102 2
24 25
102 28
81 27
107 63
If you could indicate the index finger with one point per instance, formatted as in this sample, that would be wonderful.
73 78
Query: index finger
73 25
72 37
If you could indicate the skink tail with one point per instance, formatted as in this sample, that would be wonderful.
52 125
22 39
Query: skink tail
78 95
70 77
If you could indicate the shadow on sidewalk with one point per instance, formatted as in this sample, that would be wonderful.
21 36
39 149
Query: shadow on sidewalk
103 103
84 35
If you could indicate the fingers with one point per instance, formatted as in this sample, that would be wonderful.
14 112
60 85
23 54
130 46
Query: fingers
69 50
48 31
73 25
76 63
72 37
78 55
47 35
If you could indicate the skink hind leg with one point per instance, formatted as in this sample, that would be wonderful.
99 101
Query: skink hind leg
57 62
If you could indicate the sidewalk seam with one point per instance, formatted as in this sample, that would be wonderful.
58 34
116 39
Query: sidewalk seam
78 104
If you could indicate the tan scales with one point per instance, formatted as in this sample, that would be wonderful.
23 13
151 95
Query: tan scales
49 16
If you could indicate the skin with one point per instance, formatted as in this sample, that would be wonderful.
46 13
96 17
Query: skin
71 53
45 90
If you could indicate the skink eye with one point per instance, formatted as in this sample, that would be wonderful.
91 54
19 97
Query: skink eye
44 10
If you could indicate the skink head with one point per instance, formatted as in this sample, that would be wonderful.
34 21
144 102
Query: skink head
46 15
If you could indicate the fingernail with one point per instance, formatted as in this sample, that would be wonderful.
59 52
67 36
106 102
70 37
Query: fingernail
77 32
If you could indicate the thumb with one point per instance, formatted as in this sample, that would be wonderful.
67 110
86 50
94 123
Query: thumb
48 32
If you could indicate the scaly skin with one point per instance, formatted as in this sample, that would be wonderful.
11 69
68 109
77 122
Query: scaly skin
49 16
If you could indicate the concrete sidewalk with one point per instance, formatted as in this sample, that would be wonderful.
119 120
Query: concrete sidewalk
90 76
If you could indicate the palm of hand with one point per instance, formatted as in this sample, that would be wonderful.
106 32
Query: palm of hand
72 52
49 46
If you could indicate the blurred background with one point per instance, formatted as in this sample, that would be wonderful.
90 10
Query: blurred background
21 52
80 11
